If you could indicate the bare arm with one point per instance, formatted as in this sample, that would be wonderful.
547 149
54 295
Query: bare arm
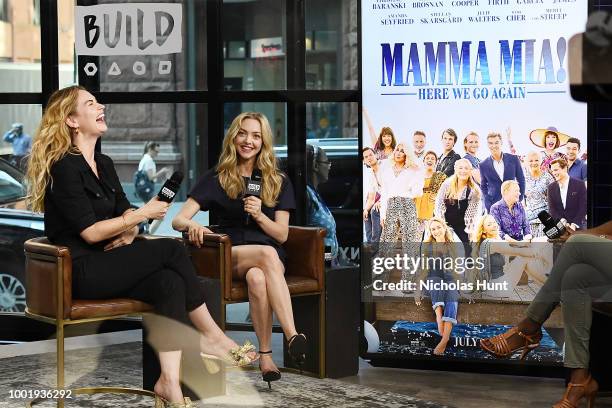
103 230
278 228
183 222
603 229
371 129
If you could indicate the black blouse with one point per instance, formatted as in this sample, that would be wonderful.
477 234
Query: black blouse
76 199
209 194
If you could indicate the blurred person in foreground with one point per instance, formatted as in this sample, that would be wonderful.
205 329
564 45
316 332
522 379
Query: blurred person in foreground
581 275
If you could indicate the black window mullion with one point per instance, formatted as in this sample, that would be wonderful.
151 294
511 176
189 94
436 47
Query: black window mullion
92 83
49 67
296 109
214 66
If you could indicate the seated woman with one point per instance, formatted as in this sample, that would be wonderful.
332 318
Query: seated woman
441 243
534 259
87 211
581 274
257 228
510 214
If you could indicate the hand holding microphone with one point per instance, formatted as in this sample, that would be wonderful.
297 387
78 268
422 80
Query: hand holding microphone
552 228
159 205
252 202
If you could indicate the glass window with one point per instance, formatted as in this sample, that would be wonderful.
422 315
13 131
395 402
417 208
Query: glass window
171 135
185 70
66 51
334 176
19 48
36 12
4 14
331 44
17 125
326 120
260 26
18 122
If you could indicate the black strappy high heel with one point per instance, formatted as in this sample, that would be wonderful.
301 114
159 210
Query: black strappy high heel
269 376
297 347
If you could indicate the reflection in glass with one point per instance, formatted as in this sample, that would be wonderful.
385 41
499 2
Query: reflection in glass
326 120
260 26
65 27
331 44
17 122
334 175
158 139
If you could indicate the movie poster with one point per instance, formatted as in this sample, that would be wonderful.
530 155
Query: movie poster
470 135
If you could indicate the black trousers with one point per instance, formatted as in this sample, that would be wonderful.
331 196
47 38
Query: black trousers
156 271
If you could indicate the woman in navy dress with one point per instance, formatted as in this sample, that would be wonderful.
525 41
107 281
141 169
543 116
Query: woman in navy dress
257 254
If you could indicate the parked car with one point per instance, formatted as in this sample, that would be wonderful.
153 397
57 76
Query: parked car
17 225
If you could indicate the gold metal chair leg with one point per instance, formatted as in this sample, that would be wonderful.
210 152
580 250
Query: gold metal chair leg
59 334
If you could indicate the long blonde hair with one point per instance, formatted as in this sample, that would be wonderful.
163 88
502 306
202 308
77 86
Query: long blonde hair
229 177
479 233
51 142
453 189
449 243
448 233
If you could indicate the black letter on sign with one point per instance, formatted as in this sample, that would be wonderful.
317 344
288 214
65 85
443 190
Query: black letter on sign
161 38
107 39
90 24
142 44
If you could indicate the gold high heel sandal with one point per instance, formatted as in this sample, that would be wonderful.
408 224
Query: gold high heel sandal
161 402
498 345
590 387
236 357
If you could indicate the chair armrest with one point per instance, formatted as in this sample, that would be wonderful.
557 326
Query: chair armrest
214 259
305 252
48 278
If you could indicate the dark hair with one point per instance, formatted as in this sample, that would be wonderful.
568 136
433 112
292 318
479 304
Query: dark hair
560 161
450 132
550 132
367 148
430 152
574 140
419 132
379 143
150 146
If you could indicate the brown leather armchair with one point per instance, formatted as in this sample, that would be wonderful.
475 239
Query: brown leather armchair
305 276
49 299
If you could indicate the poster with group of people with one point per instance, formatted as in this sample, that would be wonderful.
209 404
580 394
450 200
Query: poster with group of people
470 140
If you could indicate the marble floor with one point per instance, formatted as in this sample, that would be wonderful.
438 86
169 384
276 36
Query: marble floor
455 389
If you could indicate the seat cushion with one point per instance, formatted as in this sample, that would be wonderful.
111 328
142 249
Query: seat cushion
85 309
297 285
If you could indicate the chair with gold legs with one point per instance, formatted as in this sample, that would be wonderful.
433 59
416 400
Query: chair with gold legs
49 299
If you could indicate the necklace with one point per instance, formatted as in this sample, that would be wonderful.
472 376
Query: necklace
397 171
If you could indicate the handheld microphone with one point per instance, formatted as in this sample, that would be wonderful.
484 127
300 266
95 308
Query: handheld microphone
253 188
170 188
553 229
